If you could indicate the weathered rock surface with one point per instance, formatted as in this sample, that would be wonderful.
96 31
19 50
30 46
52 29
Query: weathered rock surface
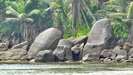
90 57
45 56
130 52
101 37
127 46
71 39
121 42
79 40
75 50
63 42
48 39
3 47
14 54
63 51
105 53
116 49
107 60
81 51
113 55
21 45
122 54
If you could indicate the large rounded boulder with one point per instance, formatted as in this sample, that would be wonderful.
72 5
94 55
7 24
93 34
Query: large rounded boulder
48 39
101 37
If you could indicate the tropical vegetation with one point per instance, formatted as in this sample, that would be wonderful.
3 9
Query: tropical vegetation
23 20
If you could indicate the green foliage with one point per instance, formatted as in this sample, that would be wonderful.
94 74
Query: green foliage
68 34
8 28
82 30
121 29
14 13
130 11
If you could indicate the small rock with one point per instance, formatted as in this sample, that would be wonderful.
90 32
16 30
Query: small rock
127 48
25 47
45 56
3 47
130 60
90 57
63 53
20 45
32 61
25 57
75 49
81 51
63 42
79 40
105 53
113 55
69 61
130 52
71 39
107 60
123 61
120 42
122 54
116 49
128 44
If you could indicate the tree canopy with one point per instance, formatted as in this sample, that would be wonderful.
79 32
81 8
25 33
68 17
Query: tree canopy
23 18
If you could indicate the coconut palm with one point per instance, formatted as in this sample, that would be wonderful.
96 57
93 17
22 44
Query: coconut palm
17 11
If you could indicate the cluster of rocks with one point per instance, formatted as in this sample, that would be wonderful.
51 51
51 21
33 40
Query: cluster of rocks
101 45
17 52
118 54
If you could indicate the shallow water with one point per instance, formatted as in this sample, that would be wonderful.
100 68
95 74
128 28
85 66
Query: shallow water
65 69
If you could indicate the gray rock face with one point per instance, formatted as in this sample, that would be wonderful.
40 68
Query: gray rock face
45 40
122 54
116 49
81 51
101 37
130 52
63 42
113 55
105 53
127 46
3 47
90 57
14 54
21 45
45 56
79 40
63 51
107 60
75 50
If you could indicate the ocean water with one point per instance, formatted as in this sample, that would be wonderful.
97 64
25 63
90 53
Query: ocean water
65 69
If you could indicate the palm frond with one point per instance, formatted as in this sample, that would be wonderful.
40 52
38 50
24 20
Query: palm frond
11 11
130 11
35 11
11 20
14 5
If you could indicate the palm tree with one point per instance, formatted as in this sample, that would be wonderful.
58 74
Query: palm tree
130 18
17 11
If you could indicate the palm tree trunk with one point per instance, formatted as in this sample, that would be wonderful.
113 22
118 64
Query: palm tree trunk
130 37
75 16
